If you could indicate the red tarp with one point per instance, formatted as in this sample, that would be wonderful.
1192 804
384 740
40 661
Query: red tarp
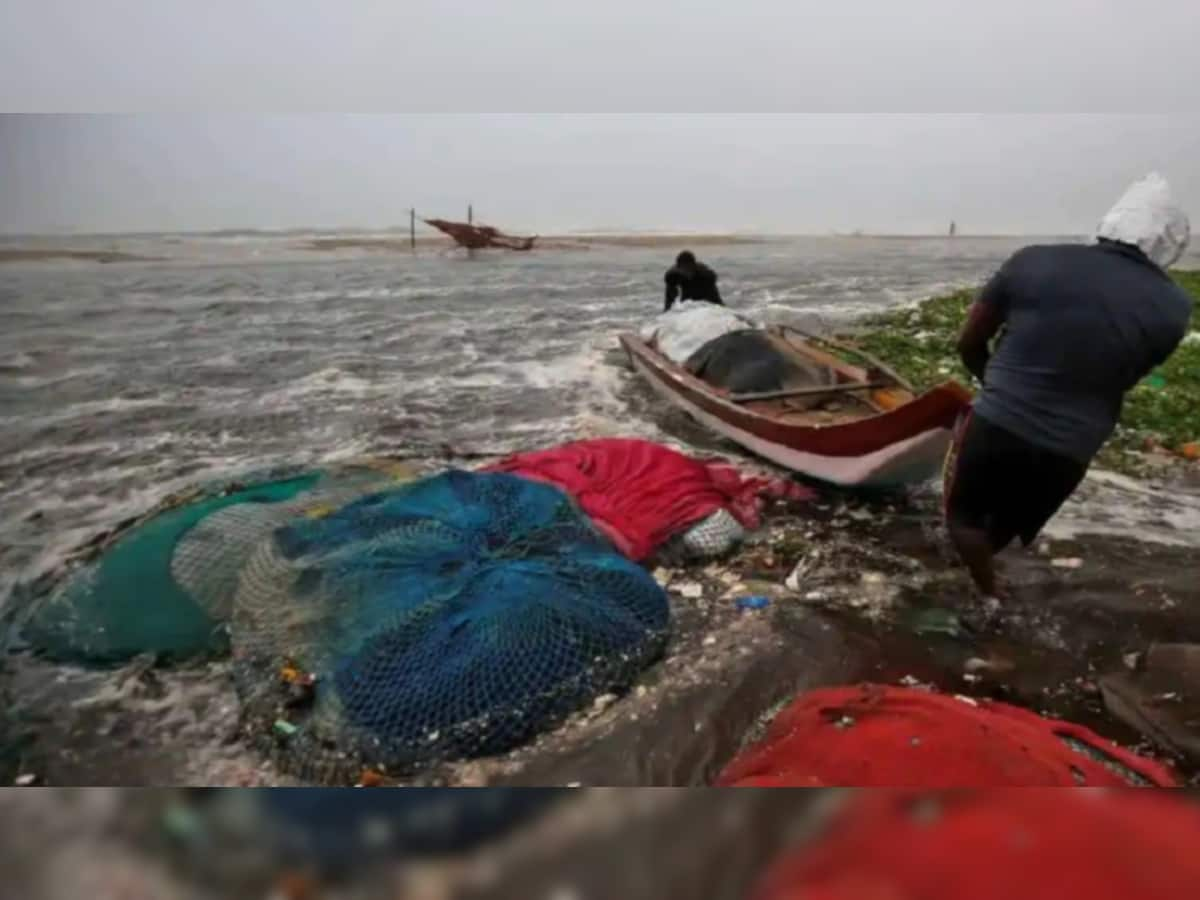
641 494
1040 844
874 736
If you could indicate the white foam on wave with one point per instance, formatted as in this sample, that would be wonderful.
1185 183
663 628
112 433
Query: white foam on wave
1113 504
325 382
17 362
39 381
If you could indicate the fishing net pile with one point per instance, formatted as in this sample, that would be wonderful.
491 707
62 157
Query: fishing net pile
643 495
164 583
452 618
877 736
996 845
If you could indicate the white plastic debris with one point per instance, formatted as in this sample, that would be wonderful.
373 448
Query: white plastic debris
690 590
1068 563
689 326
792 582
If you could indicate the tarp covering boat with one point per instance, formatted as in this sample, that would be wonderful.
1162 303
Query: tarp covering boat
751 361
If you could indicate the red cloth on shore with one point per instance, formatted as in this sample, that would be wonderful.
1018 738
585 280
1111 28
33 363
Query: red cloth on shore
876 736
641 494
1039 844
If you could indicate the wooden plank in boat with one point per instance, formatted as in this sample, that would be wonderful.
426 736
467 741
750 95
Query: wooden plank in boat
811 391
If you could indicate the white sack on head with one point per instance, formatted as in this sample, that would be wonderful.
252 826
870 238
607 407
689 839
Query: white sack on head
1147 217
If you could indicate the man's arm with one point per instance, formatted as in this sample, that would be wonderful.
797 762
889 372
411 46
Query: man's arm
672 293
983 321
716 291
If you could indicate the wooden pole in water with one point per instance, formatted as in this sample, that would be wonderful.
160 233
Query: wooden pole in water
470 215
412 228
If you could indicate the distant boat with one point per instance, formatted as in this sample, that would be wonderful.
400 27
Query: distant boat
477 237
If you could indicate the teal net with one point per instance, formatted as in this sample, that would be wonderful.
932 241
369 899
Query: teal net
165 583
453 618
129 600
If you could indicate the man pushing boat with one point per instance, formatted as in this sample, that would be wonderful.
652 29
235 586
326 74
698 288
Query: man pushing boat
1080 326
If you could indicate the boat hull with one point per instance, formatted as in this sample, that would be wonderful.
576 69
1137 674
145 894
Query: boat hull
904 446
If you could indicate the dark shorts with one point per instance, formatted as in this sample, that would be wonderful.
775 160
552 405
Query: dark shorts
1000 483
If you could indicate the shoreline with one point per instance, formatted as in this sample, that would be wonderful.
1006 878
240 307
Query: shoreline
878 597
75 248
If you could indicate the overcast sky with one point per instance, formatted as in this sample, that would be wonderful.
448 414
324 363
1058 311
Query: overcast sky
1062 103
601 55
781 173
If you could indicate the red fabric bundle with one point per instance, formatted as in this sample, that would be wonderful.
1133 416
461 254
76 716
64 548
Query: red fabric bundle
641 494
874 736
1040 844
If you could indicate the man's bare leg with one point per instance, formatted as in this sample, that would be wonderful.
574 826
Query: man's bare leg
977 551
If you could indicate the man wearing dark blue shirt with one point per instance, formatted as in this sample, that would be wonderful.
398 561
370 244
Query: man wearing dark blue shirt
1080 326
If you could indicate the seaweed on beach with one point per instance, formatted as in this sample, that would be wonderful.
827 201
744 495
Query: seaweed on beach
1162 412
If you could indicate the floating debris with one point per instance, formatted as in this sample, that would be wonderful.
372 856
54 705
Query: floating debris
753 602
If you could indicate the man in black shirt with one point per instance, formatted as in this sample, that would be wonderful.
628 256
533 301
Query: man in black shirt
690 280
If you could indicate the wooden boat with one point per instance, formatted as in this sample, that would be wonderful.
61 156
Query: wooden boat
478 237
864 427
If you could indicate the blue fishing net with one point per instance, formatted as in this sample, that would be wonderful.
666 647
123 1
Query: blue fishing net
453 618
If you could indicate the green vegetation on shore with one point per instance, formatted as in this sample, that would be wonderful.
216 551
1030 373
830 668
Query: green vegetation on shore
1164 410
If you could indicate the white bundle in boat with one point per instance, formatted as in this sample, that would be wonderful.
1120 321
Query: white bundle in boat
689 326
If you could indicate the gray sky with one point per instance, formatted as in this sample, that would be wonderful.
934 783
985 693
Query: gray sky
782 173
601 155
604 55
